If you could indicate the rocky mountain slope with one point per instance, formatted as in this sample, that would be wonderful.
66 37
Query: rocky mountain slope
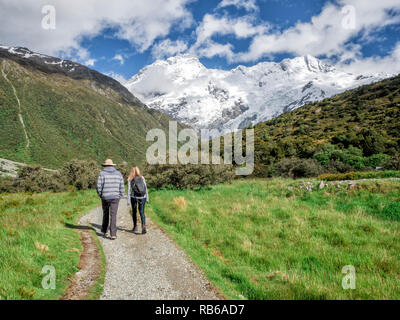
53 110
228 100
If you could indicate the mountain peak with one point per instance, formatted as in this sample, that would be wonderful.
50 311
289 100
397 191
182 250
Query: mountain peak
227 100
187 57
307 62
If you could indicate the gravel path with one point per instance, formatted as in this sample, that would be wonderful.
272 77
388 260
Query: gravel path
147 266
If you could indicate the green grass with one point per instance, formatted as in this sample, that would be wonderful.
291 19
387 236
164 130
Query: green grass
271 239
69 118
29 218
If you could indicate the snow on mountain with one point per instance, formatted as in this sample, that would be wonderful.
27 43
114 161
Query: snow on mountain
224 100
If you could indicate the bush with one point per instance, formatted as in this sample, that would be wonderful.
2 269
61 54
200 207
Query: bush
392 163
188 176
351 158
297 168
359 175
9 185
81 174
376 160
33 178
124 169
335 166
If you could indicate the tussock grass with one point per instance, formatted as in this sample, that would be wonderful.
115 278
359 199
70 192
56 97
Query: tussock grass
258 239
180 203
34 233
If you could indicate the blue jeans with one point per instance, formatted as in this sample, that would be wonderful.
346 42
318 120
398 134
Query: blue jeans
135 204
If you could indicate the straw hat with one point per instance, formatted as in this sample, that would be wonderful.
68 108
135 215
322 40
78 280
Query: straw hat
108 162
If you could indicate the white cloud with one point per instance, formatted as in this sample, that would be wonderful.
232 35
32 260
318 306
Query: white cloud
388 64
326 33
119 58
119 77
211 25
90 62
139 22
211 48
248 5
329 34
241 27
167 48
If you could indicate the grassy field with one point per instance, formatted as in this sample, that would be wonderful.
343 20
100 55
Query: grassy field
271 239
33 234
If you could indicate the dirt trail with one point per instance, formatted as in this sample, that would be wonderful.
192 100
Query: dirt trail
21 119
148 266
89 266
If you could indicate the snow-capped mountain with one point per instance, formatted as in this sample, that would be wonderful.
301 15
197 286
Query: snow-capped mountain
224 100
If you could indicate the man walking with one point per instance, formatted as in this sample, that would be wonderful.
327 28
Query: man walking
110 188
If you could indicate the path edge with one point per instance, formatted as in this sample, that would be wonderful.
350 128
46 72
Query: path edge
96 289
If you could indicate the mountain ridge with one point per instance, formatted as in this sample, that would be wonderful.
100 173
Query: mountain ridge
227 100
68 114
74 70
366 118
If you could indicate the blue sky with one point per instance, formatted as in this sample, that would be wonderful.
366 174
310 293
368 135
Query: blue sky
121 37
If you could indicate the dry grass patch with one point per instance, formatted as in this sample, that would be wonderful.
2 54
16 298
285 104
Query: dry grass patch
180 203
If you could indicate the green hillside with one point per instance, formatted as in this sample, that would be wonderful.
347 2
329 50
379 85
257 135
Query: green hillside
359 123
69 118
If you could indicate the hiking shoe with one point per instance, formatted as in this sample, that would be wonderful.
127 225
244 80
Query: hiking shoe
144 230
135 229
113 238
104 234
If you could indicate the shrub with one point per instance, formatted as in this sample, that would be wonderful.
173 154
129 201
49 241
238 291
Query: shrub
392 163
298 168
376 160
9 185
188 176
124 169
33 178
81 174
359 175
335 166
337 176
351 158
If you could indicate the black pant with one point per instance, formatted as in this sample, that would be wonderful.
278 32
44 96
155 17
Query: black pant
110 208
135 204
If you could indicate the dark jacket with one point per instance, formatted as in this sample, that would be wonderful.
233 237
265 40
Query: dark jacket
132 194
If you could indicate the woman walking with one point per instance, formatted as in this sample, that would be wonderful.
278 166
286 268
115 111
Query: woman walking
137 190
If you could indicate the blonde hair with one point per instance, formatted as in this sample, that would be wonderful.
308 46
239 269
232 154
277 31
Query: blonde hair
135 172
